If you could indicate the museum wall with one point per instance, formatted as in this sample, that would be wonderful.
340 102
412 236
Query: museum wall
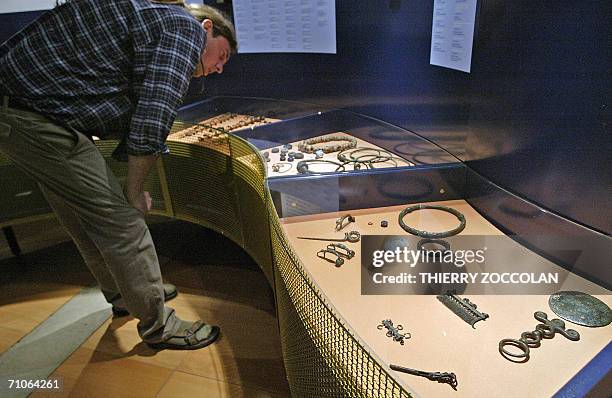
531 116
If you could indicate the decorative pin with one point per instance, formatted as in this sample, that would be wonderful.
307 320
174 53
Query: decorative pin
446 378
351 237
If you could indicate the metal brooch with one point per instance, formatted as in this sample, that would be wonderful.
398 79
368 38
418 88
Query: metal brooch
463 308
394 331
338 261
344 221
341 250
545 330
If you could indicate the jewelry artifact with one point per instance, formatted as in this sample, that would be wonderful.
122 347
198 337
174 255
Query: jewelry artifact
347 155
308 146
338 261
319 154
340 223
302 166
200 133
463 308
276 167
432 235
545 330
351 237
250 120
446 378
368 157
297 155
427 252
394 331
580 308
439 242
341 250
275 150
384 223
357 164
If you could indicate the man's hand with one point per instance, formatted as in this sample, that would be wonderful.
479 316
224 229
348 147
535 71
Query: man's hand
141 201
138 169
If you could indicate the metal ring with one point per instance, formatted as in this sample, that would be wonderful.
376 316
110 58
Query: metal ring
302 166
516 343
432 235
342 155
352 237
357 164
440 242
532 339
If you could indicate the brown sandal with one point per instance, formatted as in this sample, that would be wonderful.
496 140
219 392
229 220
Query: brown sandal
190 339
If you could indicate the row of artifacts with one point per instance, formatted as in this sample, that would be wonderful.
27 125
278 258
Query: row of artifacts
573 306
349 156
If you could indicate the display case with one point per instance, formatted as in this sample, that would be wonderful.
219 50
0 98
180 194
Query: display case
339 332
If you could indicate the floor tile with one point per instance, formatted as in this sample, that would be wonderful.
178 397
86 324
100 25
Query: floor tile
185 385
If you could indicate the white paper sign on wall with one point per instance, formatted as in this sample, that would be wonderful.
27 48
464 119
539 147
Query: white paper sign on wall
293 26
452 34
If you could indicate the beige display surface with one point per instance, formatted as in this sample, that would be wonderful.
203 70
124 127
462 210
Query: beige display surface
440 340
327 168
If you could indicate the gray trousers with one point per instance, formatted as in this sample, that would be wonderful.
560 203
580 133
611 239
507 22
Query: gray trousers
111 235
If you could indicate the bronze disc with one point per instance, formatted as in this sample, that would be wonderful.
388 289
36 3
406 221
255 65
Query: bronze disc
580 308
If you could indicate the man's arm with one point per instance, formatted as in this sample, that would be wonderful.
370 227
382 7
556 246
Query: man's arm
138 170
168 64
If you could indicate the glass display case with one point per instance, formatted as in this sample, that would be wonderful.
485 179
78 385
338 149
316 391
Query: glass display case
358 186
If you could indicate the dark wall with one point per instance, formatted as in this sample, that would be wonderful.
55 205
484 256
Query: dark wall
13 22
532 116
540 92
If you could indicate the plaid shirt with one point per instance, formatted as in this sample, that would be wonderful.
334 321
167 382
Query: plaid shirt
111 68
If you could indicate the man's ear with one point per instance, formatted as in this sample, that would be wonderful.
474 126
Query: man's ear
207 24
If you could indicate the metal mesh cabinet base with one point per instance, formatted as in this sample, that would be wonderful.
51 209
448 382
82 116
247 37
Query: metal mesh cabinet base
226 190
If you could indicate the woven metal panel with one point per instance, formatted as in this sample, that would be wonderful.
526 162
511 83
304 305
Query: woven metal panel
200 183
249 184
322 356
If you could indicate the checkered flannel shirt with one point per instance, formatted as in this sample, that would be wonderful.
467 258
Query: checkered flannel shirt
110 68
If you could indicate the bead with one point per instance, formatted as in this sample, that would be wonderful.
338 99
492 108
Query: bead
308 147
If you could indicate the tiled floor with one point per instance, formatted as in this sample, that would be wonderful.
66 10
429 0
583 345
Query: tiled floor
217 281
